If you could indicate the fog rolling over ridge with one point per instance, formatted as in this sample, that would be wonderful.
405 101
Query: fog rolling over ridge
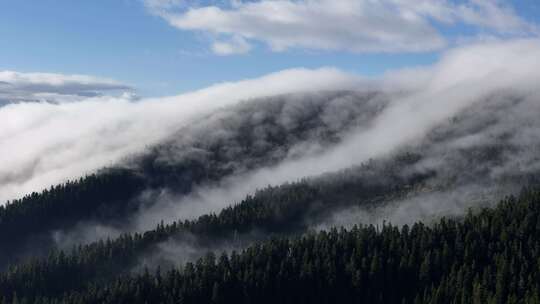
41 141
489 151
474 126
270 151
485 152
420 101
188 173
437 140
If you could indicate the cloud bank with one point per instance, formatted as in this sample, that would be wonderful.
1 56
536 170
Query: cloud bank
56 88
44 143
422 100
348 25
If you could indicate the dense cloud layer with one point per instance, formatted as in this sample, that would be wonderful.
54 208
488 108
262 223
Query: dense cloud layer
471 117
419 101
470 83
483 153
45 143
486 152
464 78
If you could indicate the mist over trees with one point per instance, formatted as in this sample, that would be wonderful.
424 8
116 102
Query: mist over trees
425 191
45 250
248 136
489 256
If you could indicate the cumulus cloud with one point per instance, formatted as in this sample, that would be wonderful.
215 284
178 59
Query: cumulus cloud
21 87
44 143
350 25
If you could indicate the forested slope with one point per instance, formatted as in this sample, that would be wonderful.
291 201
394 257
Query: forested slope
471 160
490 256
248 136
284 210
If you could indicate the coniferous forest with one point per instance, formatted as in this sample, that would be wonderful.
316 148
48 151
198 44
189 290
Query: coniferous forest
270 151
398 228
489 256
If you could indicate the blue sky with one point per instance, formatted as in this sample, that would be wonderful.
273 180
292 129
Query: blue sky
136 43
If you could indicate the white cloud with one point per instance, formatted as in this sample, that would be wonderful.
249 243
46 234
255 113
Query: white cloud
463 77
490 14
350 25
17 87
237 45
425 98
487 14
44 143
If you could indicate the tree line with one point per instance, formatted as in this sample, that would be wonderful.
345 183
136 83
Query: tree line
489 256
